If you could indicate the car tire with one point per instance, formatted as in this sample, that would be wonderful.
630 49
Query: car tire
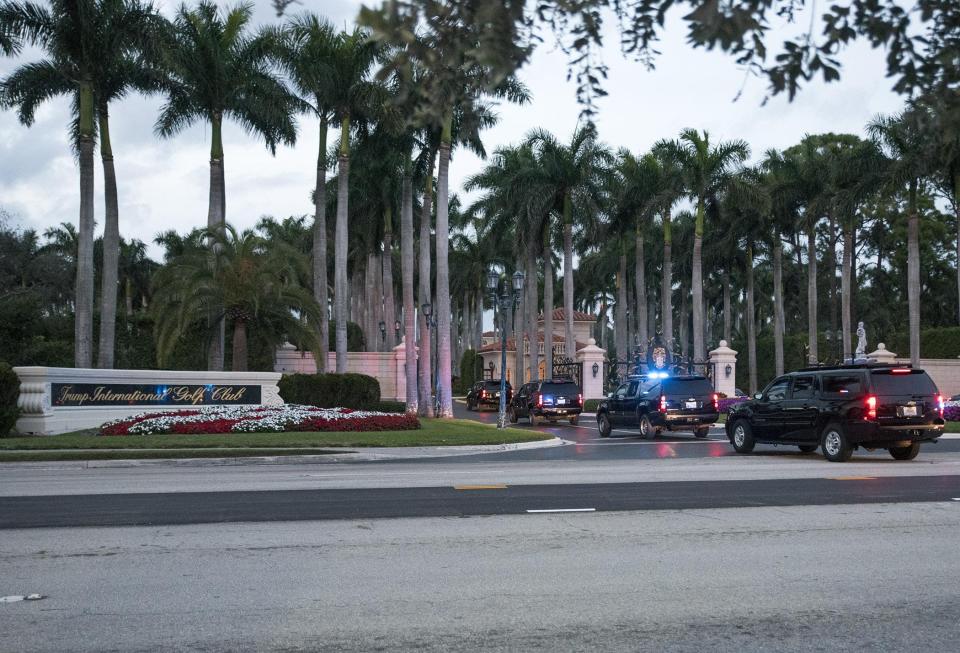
702 432
908 452
646 428
574 420
513 415
742 439
603 423
807 448
836 447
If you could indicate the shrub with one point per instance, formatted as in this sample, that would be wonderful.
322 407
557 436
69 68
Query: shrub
389 407
331 390
355 340
590 405
471 371
9 393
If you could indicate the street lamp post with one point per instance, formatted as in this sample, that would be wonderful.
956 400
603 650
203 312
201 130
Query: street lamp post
504 302
431 323
396 330
383 331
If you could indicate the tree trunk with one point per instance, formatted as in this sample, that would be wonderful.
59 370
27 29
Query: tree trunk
684 326
406 272
531 308
340 246
846 319
620 325
518 315
389 308
547 307
239 346
128 296
913 274
370 274
956 212
831 261
111 248
726 307
443 274
216 218
778 317
640 281
83 317
320 291
666 293
570 341
696 287
751 324
426 350
812 356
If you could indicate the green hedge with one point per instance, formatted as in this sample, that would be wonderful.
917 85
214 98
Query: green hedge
471 371
390 407
331 390
590 405
9 393
942 342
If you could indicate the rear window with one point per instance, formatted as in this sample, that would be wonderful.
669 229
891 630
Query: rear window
689 387
842 386
493 385
560 389
915 383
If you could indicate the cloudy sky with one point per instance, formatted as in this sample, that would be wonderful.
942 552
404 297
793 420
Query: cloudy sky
163 184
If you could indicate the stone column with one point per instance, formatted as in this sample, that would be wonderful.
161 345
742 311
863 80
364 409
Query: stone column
723 362
400 370
592 383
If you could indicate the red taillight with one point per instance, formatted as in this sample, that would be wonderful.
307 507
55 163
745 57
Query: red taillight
871 407
941 405
483 394
539 400
901 371
716 403
663 404
580 399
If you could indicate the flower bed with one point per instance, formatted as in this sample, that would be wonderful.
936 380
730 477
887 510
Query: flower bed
729 402
261 419
951 411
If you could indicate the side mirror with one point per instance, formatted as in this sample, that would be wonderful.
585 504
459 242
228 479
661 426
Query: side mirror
609 395
759 395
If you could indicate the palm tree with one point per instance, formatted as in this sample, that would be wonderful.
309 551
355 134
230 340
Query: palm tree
218 70
906 144
706 169
307 57
240 281
92 56
571 179
669 184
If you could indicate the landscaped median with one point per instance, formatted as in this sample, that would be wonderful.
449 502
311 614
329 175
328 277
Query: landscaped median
91 446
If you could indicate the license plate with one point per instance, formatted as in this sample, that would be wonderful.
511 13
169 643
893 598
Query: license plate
690 404
908 411
561 401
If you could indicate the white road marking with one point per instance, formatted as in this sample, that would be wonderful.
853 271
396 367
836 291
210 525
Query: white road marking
11 599
565 510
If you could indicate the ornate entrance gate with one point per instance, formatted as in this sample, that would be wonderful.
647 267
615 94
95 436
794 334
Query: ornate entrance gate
563 366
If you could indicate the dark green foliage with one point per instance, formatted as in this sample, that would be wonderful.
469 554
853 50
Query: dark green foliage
9 393
941 342
331 390
389 407
590 405
355 341
471 370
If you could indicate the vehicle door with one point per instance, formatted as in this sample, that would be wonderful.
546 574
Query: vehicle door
800 410
521 402
617 402
768 414
628 415
648 397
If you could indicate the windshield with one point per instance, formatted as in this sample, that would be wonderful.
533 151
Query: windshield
915 383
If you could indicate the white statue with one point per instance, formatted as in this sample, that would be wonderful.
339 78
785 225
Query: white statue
861 353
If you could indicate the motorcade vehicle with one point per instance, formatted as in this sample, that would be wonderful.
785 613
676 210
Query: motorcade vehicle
657 402
486 394
551 400
841 408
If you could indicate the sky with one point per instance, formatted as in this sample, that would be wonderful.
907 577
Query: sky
163 184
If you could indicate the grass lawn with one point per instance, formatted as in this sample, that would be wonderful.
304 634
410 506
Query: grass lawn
952 427
78 445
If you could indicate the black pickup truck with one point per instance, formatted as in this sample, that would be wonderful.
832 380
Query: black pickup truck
652 404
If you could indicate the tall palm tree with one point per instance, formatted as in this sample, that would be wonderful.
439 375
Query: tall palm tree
92 48
572 182
217 70
706 169
669 184
906 144
307 57
244 282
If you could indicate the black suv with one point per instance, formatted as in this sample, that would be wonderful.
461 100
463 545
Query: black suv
551 400
653 404
842 408
486 393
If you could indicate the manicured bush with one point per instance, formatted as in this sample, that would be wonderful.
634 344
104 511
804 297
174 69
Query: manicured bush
9 393
471 371
355 340
390 407
590 405
331 390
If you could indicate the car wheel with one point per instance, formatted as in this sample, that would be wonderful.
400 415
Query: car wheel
836 447
743 441
574 420
513 416
905 453
702 432
603 422
646 428
807 448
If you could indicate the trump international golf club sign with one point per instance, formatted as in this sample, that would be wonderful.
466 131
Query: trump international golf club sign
128 394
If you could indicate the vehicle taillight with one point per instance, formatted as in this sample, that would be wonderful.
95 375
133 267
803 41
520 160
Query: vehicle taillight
539 400
663 404
940 405
483 394
716 403
580 401
901 370
871 407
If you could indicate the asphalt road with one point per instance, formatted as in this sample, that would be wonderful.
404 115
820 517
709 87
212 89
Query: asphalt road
873 577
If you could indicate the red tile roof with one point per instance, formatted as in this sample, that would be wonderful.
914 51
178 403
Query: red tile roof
512 345
558 316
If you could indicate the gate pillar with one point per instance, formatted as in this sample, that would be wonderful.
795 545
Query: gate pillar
593 377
